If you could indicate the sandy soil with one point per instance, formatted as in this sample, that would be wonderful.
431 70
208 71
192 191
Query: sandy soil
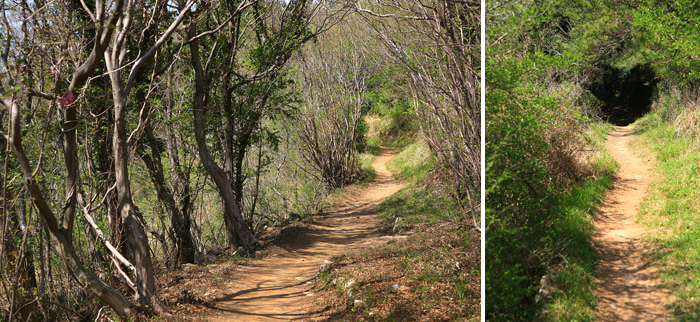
279 287
627 286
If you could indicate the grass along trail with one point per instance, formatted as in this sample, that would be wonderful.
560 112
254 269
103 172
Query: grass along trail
628 289
279 287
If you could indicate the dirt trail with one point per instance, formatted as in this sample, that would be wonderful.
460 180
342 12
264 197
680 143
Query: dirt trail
627 285
279 286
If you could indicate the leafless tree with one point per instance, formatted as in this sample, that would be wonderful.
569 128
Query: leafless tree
438 41
334 72
116 63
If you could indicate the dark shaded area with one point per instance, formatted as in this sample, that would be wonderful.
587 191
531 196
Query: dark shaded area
625 95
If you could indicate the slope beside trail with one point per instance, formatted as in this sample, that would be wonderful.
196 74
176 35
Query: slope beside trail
279 287
627 286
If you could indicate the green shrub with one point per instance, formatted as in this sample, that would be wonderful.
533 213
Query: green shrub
393 121
542 183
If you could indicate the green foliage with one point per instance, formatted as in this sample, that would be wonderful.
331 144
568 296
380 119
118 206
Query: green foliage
559 246
388 101
277 43
574 256
669 38
414 205
602 163
530 209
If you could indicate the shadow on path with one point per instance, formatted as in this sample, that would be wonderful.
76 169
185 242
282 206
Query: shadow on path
279 287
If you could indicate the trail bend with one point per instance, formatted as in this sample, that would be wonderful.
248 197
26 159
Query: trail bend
628 289
279 287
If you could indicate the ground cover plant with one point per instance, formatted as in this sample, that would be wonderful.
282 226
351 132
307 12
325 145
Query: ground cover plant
553 69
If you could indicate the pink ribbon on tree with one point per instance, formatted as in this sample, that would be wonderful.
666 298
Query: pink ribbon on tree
67 100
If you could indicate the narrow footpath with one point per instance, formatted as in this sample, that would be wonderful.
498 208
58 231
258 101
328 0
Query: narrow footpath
627 286
279 287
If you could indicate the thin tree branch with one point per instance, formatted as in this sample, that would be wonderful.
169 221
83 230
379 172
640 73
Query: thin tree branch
390 15
92 15
468 2
113 250
166 35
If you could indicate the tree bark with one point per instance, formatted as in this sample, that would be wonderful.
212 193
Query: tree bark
136 238
135 235
63 246
236 228
185 250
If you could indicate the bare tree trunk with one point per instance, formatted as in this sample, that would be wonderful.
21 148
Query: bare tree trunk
63 246
61 229
185 250
70 152
20 263
136 238
238 177
236 228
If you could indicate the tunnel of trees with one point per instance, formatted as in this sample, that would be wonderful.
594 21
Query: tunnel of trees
625 95
141 135
555 69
